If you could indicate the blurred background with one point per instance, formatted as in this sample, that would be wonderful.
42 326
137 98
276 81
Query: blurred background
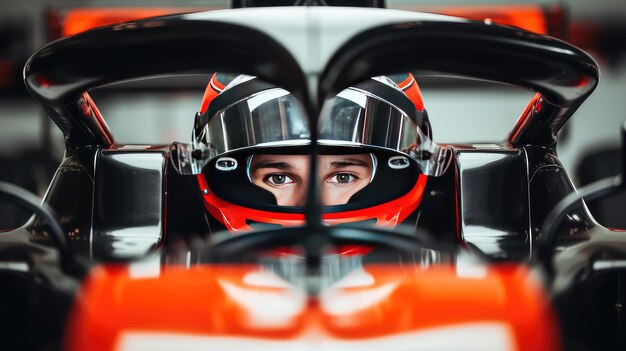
162 111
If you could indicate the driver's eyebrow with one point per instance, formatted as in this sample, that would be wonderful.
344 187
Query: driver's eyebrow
349 162
272 164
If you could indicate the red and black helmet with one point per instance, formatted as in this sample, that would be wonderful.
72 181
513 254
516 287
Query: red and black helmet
381 122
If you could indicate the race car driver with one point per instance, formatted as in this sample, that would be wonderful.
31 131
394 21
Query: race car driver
250 153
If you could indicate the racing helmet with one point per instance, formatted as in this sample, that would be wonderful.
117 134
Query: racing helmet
245 125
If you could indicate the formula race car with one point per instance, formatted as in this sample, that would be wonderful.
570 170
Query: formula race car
311 208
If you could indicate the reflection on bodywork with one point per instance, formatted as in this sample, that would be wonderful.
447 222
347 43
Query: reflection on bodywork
493 200
128 212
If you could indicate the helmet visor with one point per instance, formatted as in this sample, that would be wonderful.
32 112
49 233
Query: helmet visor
358 117
268 116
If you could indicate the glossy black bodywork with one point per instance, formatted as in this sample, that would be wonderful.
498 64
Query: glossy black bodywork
111 204
129 206
493 199
479 205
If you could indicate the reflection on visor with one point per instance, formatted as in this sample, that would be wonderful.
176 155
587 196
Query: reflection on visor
269 116
354 117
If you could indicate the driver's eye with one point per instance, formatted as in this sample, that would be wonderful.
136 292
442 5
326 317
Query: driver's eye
278 179
342 178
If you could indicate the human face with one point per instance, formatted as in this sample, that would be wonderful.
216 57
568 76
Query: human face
286 176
